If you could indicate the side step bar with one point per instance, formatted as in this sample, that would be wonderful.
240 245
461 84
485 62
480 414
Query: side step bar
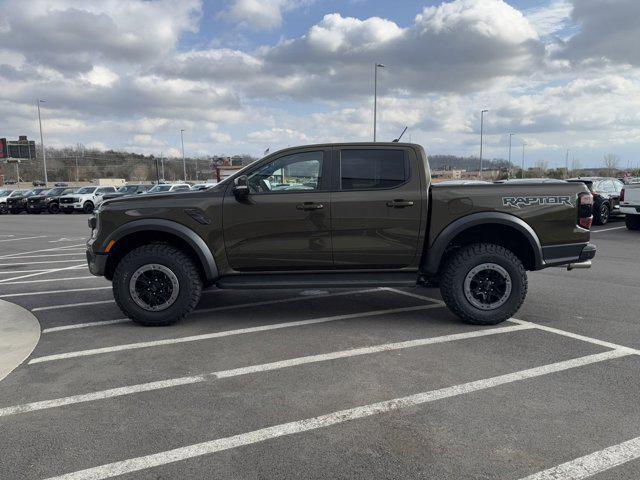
319 280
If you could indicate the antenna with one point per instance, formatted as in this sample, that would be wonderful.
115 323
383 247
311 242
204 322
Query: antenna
398 139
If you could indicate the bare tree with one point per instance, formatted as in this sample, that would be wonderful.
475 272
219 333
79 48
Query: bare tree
611 162
576 167
541 167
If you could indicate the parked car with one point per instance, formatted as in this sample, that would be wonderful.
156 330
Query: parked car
18 203
10 181
530 181
84 200
606 196
168 188
47 201
375 219
39 183
630 205
3 199
126 190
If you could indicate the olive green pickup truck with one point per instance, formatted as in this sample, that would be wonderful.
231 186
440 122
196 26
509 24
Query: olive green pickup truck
339 216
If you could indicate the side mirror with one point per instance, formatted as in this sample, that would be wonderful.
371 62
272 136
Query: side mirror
241 187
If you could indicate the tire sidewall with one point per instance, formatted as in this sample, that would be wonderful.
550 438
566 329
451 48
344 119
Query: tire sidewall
88 207
122 276
503 312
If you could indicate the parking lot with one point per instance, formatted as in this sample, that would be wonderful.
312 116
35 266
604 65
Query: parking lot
377 383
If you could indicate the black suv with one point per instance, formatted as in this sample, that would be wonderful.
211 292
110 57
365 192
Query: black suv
606 196
47 201
18 204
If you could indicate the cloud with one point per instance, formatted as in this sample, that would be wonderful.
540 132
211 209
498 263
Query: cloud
550 19
259 14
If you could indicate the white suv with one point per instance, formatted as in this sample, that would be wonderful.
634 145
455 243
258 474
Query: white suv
84 200
630 205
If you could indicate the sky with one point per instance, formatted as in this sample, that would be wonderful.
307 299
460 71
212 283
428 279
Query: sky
241 76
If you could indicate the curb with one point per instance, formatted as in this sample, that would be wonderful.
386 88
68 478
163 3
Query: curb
19 335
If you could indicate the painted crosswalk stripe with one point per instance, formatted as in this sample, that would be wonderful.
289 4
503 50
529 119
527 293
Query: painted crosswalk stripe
592 464
226 333
136 464
265 367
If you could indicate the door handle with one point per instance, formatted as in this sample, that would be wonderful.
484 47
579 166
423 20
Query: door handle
309 206
400 203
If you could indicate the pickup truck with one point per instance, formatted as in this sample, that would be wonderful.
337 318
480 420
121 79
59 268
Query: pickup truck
339 216
630 206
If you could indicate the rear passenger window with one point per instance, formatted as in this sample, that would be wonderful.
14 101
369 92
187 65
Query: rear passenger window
372 169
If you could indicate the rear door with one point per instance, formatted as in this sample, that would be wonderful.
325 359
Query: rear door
376 208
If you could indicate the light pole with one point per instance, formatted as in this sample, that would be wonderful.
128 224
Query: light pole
44 153
523 145
375 97
162 163
566 164
510 137
184 163
481 132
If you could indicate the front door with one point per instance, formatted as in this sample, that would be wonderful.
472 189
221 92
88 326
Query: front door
376 208
284 223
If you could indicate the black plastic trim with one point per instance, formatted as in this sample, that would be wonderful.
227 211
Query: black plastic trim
192 238
319 280
433 255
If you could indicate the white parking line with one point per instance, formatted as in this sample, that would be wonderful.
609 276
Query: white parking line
309 424
592 464
73 326
70 260
607 229
226 333
54 249
21 282
414 295
576 336
265 367
24 238
77 254
50 292
13 272
71 305
44 272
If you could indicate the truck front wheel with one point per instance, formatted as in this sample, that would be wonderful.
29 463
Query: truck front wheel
156 284
483 283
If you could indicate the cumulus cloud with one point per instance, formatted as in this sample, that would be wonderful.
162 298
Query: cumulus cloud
259 14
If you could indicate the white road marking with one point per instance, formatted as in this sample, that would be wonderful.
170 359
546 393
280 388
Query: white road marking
576 336
226 333
71 305
13 272
24 238
44 272
49 292
65 239
50 280
265 367
607 229
70 260
62 248
7 235
215 309
309 424
592 464
85 325
414 295
76 254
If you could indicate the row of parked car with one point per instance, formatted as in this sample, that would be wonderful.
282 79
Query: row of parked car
62 198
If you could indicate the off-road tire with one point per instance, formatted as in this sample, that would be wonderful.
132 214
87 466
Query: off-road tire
180 264
632 222
461 262
88 207
600 217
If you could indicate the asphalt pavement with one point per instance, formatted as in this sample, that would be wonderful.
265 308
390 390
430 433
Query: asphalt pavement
316 384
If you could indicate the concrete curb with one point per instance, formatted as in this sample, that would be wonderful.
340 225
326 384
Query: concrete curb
19 335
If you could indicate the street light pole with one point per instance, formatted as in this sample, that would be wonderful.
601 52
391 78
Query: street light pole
162 163
184 163
510 136
481 134
44 153
566 164
523 145
375 97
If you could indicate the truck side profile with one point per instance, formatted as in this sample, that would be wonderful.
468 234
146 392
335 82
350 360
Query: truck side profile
339 215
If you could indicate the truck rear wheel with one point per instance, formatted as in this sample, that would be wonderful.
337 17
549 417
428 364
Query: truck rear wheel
156 284
632 222
483 283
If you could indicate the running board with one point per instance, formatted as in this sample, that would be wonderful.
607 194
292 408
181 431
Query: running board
319 280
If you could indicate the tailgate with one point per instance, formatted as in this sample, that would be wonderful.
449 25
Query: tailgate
631 196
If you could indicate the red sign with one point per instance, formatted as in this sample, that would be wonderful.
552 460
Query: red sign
3 147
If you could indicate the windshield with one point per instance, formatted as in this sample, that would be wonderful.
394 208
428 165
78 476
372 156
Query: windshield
55 191
15 193
86 190
159 188
4 193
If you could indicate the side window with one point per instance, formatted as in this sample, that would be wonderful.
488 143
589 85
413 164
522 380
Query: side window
372 169
291 173
618 185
